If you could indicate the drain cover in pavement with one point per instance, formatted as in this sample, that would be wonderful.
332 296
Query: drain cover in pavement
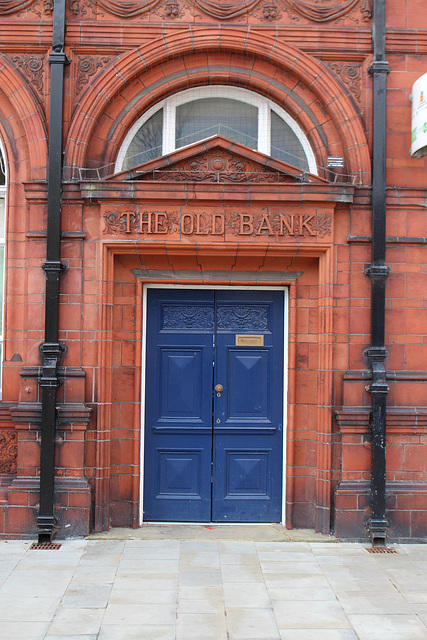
53 546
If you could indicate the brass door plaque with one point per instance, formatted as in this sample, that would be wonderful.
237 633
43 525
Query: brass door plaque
247 340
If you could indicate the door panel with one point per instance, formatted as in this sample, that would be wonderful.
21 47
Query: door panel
248 370
192 431
178 430
247 471
181 389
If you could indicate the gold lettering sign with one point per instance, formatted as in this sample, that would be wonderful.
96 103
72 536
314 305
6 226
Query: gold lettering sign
246 340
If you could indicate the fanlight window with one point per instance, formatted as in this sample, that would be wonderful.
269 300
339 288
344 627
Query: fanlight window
236 114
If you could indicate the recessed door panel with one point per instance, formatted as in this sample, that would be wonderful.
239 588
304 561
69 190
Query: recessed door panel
248 371
179 474
214 408
181 384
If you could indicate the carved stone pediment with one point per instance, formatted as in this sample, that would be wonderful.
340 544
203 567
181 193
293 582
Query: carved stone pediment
218 160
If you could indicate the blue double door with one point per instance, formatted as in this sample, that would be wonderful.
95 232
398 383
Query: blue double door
214 405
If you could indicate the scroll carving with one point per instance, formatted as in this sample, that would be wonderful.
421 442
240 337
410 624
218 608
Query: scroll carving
242 317
228 317
8 451
222 10
87 66
33 68
351 75
189 317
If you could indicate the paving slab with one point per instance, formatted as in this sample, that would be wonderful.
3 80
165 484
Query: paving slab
201 625
135 632
245 624
390 627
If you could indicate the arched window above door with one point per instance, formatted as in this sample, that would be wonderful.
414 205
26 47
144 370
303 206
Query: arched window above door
236 114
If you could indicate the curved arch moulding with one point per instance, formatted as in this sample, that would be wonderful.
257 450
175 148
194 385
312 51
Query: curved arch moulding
291 78
23 126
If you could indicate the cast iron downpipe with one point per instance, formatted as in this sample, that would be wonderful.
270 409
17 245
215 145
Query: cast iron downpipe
51 349
378 272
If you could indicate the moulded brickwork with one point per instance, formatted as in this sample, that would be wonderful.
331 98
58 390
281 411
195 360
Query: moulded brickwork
315 66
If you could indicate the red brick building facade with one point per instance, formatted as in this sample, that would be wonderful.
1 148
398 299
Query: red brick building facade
219 211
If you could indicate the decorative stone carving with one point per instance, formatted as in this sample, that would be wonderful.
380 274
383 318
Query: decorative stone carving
8 451
8 7
241 317
219 10
270 11
228 317
350 73
80 7
33 67
217 166
189 317
171 10
327 10
87 66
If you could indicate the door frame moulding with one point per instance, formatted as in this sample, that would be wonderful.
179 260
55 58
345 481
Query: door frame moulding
215 287
107 253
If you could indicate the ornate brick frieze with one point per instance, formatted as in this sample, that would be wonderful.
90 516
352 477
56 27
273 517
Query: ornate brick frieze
8 7
8 451
218 10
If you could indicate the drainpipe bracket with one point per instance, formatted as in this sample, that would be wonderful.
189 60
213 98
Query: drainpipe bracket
58 57
377 271
379 66
53 266
379 387
376 354
51 352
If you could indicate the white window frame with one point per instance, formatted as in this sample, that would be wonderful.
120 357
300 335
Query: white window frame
263 105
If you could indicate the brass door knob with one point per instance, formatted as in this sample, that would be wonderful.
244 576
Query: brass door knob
218 388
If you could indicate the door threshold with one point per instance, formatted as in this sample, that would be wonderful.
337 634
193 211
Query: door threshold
213 532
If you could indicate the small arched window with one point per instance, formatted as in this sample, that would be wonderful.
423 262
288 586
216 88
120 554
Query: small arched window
236 114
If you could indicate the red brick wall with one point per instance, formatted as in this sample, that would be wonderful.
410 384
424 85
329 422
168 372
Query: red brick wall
120 67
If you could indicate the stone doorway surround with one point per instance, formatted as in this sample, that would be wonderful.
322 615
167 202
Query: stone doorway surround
269 229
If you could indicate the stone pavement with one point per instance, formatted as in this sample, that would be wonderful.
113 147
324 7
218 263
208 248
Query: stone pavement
161 586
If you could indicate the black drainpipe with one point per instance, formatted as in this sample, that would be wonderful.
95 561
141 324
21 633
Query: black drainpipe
378 272
51 349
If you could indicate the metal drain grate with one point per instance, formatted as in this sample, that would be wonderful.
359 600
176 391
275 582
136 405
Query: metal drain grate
46 546
381 550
